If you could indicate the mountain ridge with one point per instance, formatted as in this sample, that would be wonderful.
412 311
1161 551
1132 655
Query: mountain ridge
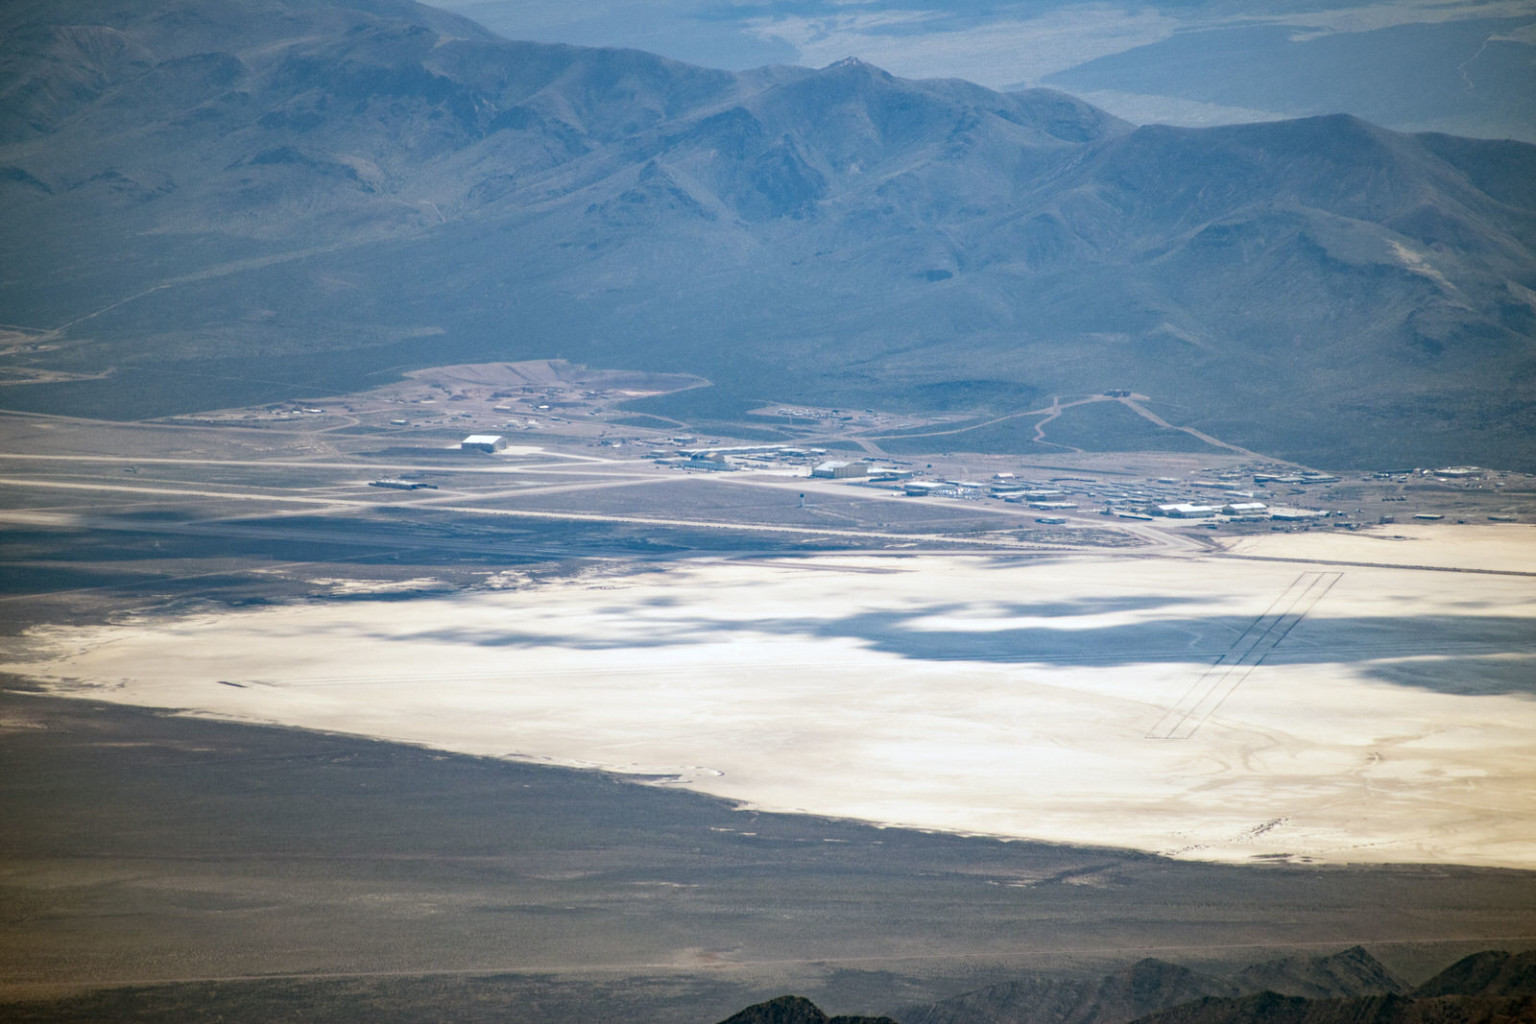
345 179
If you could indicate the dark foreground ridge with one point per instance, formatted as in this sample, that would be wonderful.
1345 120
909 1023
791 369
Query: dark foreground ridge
282 198
1352 987
1269 1008
1493 973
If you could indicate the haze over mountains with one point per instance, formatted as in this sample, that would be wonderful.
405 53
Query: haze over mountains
211 204
1462 68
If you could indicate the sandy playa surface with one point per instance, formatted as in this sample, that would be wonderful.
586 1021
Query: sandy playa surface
1070 700
1506 547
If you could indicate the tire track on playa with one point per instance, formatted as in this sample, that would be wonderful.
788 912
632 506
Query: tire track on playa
1262 636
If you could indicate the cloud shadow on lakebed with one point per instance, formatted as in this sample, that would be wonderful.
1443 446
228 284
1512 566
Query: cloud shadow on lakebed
1459 654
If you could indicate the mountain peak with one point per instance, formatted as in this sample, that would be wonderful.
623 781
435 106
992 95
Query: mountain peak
853 65
795 1010
1352 972
1489 973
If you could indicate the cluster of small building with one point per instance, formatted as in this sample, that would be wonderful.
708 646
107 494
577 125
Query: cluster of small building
1227 498
1162 498
283 410
1294 478
759 456
1190 510
724 459
1240 506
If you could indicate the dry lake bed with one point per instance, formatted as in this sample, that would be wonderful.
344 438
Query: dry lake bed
1363 703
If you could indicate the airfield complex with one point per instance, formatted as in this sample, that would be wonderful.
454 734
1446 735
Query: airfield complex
581 406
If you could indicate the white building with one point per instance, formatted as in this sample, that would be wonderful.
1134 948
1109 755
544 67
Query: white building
483 443
1184 510
1291 515
840 470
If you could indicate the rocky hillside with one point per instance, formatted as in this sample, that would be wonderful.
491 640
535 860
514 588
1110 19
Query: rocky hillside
1123 996
1494 973
1353 972
1492 987
1151 986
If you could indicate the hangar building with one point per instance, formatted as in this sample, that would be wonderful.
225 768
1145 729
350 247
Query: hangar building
483 443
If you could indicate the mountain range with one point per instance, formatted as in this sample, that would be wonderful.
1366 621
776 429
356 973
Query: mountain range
215 204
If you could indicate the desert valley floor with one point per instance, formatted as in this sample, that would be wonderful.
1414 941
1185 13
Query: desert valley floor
306 706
